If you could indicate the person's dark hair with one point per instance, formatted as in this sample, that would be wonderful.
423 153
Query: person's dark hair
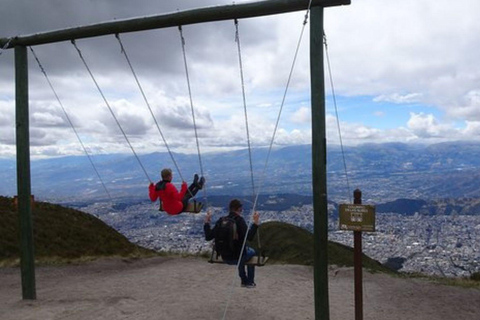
166 173
234 205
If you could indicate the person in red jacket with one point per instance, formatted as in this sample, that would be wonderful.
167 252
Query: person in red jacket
174 202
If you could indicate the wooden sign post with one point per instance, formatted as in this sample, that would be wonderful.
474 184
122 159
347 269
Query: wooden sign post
358 218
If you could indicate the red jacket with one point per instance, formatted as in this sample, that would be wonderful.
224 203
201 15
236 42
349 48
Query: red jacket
169 195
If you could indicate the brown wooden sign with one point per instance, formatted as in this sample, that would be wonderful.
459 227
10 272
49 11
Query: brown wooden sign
357 217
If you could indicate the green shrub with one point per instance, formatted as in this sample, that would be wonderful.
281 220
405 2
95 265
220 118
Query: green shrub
475 276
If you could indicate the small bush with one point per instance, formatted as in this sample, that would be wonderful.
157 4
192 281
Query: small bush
475 276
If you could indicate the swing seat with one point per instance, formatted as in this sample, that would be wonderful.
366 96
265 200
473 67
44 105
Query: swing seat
192 207
258 261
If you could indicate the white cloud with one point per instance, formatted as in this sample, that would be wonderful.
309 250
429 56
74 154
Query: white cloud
398 98
293 137
469 108
7 113
422 52
424 47
46 119
426 125
302 115
472 129
423 128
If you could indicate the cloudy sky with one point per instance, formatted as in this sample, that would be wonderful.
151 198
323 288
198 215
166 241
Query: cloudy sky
403 71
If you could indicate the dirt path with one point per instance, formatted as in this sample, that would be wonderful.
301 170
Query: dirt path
188 288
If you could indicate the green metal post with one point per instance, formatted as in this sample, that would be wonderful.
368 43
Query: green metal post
27 260
319 166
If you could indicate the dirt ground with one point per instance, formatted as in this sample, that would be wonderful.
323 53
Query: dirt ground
190 288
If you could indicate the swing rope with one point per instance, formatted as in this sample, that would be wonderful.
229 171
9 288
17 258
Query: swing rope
237 40
262 178
269 151
182 40
110 109
6 45
240 63
149 107
70 122
336 114
232 285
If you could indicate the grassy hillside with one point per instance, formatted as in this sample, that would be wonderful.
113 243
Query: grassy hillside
62 234
285 243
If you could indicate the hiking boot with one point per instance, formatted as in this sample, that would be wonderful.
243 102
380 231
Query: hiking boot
195 179
201 183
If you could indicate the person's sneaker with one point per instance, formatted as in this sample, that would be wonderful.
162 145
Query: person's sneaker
248 285
201 183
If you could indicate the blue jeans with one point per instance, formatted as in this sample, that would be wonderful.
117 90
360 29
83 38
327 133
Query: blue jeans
247 277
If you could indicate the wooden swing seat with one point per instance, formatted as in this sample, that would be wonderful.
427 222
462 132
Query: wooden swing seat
259 261
192 207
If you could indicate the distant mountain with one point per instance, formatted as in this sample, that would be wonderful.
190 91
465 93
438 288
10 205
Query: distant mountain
454 206
384 172
402 206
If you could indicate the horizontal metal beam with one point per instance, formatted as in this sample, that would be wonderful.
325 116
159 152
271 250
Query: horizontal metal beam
207 14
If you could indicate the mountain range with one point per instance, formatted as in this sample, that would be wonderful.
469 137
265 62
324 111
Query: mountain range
384 173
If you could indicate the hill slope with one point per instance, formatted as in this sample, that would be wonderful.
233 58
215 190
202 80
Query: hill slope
285 243
65 234
62 234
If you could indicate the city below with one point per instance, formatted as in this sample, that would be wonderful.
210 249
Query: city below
443 245
426 197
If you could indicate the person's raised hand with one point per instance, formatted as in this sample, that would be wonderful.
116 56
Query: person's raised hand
208 217
256 218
